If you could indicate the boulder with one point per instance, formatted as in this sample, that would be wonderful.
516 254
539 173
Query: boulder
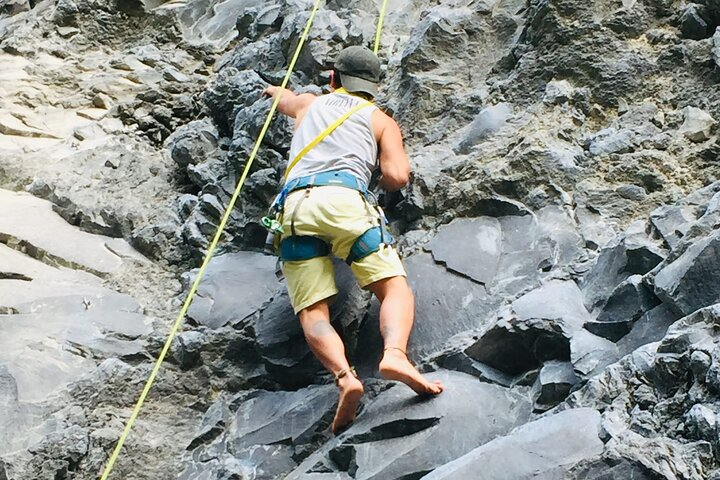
687 284
471 247
673 221
544 449
610 140
633 252
30 224
649 328
13 7
234 287
698 124
554 382
193 143
557 92
626 304
255 434
486 123
692 22
399 435
509 253
700 423
539 328
590 354
440 294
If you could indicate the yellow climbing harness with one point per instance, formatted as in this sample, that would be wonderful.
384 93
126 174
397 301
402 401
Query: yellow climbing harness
216 238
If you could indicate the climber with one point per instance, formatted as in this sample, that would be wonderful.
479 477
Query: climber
326 209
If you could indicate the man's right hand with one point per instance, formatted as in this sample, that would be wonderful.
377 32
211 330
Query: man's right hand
290 104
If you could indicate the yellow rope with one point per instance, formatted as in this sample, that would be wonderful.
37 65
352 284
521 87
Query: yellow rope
380 26
211 249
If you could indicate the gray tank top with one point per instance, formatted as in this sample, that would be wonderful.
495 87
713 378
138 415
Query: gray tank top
351 147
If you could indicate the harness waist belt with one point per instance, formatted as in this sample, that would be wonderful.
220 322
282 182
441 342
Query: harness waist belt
323 179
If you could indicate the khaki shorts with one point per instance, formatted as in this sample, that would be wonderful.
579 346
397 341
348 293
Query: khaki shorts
338 215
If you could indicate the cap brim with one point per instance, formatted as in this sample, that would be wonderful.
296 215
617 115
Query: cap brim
356 84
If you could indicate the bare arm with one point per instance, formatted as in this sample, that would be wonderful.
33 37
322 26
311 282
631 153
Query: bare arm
394 163
291 104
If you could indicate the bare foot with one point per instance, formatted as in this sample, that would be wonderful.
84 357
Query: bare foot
350 392
395 366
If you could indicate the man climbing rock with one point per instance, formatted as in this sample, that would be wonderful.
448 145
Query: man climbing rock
339 140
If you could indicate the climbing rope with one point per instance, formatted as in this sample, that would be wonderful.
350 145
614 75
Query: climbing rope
218 234
381 18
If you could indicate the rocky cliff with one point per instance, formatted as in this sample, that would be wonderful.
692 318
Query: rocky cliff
561 232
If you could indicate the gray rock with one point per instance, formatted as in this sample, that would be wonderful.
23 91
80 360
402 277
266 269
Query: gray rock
557 92
227 443
70 341
643 423
174 75
399 435
13 7
687 283
700 363
30 224
534 247
458 360
485 124
258 418
606 469
698 124
630 253
559 301
525 453
193 143
471 247
692 23
673 222
611 141
700 423
538 329
461 303
187 348
212 23
650 328
716 47
553 384
231 91
234 286
632 192
626 304
590 354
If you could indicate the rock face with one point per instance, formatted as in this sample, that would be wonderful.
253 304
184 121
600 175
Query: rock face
58 319
561 233
524 453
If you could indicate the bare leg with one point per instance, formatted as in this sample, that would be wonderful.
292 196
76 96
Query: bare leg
328 348
397 311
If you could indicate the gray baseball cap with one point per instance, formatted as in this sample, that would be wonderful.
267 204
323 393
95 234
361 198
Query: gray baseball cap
359 70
